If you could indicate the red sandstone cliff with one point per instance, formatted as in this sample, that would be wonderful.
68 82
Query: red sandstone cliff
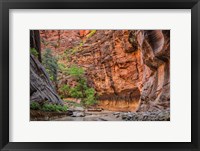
130 69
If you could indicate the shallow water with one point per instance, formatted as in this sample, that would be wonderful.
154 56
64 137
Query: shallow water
92 116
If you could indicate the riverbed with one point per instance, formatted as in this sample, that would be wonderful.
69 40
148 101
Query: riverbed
94 116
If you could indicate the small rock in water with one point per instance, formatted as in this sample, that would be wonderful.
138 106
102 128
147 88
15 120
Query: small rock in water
102 119
78 114
116 113
117 116
124 117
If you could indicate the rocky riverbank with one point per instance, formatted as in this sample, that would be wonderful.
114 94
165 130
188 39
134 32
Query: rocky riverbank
118 116
80 114
146 116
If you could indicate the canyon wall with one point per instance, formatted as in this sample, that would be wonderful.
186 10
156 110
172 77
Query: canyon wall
130 69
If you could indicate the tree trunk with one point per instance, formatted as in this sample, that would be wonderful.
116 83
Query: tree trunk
35 42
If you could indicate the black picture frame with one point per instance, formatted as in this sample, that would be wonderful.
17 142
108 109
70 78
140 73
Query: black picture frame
5 5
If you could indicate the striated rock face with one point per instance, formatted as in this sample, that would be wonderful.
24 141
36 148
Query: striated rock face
128 68
41 88
155 50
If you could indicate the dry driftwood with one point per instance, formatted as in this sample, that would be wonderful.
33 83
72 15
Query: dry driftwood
41 88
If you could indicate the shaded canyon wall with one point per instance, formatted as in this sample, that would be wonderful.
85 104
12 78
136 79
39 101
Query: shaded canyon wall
130 69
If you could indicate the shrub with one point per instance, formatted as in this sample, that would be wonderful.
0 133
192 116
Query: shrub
62 68
75 71
61 108
90 97
34 52
83 91
75 92
48 107
64 90
34 106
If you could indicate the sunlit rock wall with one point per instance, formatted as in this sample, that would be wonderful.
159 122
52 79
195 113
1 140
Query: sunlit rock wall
128 68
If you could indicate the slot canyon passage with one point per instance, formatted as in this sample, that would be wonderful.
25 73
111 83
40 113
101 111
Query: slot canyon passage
100 75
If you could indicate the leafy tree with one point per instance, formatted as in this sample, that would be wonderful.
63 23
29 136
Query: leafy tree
50 63
81 90
78 73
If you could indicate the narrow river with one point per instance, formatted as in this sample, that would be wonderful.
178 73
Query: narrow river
94 116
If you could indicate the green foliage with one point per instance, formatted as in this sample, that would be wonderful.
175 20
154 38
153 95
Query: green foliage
35 106
62 68
81 44
90 97
81 90
48 107
90 92
82 83
75 92
91 33
53 108
75 71
51 78
50 63
65 87
34 52
64 90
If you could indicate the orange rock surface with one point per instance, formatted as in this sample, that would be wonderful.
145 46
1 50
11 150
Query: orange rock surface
130 69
